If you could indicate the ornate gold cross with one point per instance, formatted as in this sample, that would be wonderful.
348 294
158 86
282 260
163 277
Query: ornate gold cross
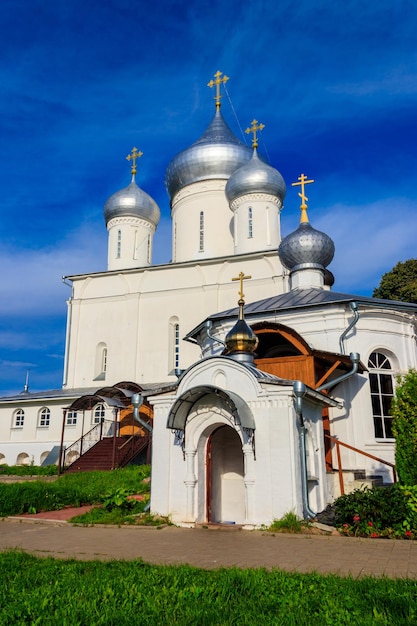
134 154
253 129
241 278
217 82
303 181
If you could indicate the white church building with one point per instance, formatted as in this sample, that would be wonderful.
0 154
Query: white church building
276 405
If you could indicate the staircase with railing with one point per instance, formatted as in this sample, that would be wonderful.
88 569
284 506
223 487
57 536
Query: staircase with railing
102 448
337 443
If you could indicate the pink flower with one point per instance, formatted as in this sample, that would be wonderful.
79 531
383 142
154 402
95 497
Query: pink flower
356 518
370 524
374 535
408 533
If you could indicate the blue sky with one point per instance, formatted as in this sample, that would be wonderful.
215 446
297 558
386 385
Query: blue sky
83 82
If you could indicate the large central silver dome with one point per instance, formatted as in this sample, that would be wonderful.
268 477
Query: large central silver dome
217 154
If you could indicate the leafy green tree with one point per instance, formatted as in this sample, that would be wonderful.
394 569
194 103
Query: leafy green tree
400 283
404 427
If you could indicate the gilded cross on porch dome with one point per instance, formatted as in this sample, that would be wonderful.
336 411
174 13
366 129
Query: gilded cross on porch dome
252 129
217 82
303 180
241 278
133 156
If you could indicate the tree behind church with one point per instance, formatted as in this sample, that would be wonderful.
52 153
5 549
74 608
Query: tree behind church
400 283
404 427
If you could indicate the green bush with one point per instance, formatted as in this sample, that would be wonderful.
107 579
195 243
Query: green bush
289 523
404 426
70 490
378 512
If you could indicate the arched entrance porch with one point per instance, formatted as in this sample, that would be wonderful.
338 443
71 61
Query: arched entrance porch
225 477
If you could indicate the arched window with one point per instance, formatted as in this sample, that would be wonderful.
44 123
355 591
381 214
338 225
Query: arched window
250 222
44 418
99 414
174 345
381 381
201 248
149 253
101 361
119 244
19 418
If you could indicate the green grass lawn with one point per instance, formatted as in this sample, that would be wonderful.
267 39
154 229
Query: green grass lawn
49 592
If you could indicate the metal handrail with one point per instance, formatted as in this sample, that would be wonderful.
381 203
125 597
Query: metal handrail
85 442
370 456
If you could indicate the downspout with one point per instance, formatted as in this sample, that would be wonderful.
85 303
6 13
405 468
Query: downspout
355 357
354 308
137 401
299 392
208 329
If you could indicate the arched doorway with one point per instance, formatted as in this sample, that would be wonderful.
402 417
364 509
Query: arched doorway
225 472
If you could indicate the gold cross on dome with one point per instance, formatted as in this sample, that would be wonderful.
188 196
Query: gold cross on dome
252 129
303 180
134 154
241 278
217 82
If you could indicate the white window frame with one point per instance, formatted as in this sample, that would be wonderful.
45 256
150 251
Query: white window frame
18 418
44 418
98 413
380 398
71 418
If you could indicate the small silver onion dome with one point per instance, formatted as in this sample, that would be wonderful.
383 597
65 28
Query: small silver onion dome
217 154
132 201
255 177
306 247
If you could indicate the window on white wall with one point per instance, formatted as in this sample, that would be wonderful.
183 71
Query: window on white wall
71 418
174 345
381 381
201 248
101 361
19 418
250 222
44 418
99 414
119 244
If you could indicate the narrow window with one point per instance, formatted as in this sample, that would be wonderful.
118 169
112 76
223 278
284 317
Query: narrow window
176 346
98 414
104 361
44 418
149 249
119 244
250 223
19 418
201 248
381 379
71 418
173 345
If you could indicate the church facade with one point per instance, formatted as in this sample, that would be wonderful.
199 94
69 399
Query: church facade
244 430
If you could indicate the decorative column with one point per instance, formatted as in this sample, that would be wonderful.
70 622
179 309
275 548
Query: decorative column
190 483
249 480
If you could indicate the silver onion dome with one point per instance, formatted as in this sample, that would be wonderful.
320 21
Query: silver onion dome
132 201
217 154
306 247
255 177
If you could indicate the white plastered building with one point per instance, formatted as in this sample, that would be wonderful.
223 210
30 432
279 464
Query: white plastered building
127 324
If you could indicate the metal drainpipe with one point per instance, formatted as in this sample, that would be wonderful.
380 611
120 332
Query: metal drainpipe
137 401
355 357
354 308
208 328
299 392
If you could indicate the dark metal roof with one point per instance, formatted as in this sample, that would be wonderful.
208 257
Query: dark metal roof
302 298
